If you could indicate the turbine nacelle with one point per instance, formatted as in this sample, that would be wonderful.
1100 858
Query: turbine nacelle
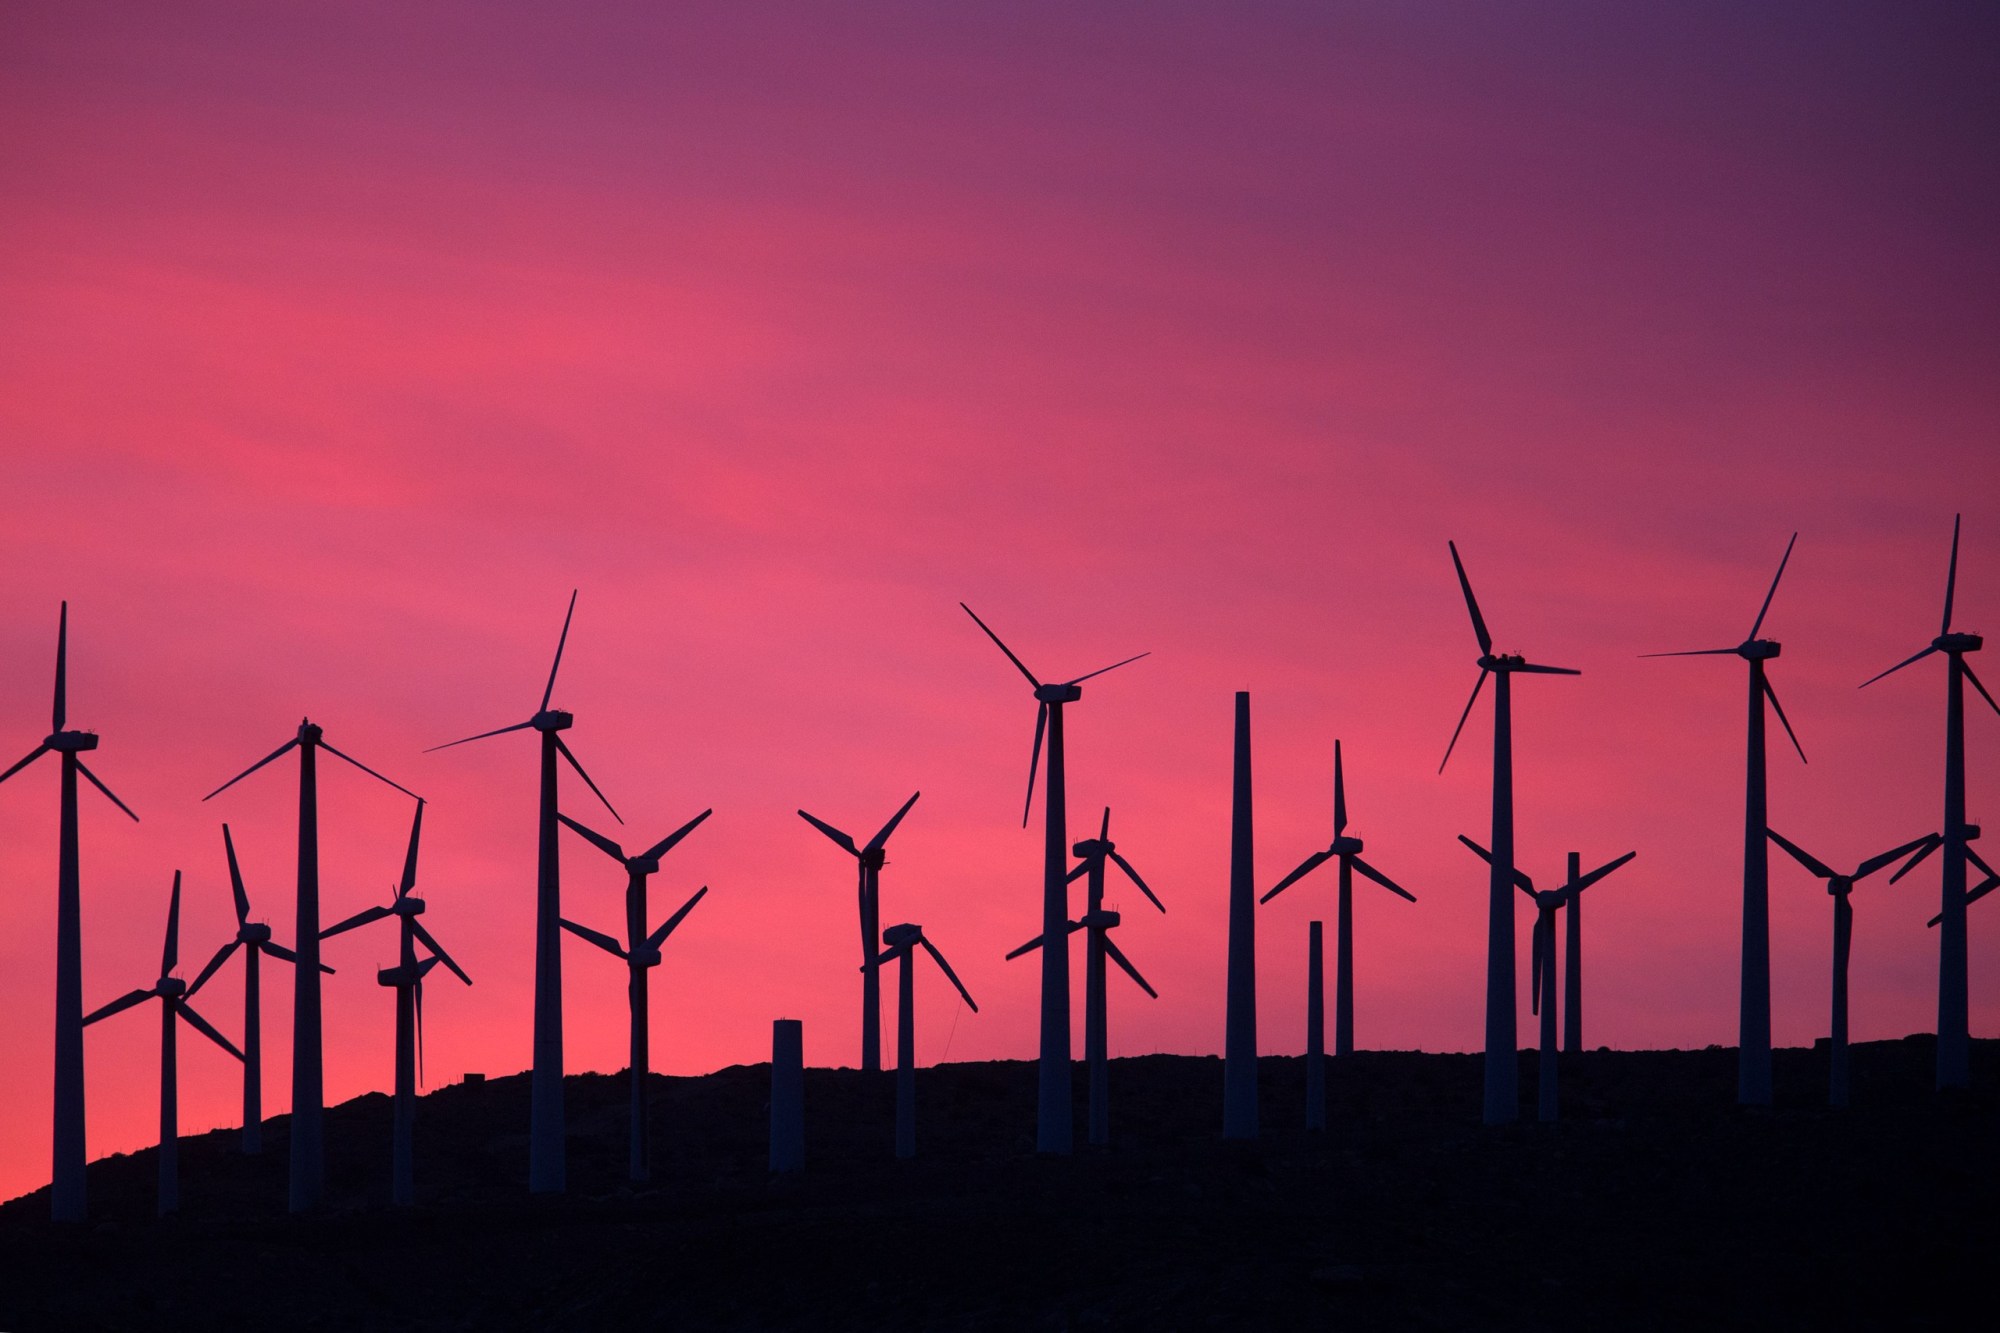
170 988
399 976
253 932
643 865
1058 694
408 905
903 936
874 858
1957 642
552 719
1345 846
71 742
1102 919
1090 847
1759 650
646 955
310 733
1840 885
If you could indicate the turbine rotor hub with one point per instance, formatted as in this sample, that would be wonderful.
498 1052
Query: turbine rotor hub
1058 694
254 932
552 719
899 937
1840 885
1090 847
646 957
70 742
1102 919
408 905
1501 662
396 976
170 987
1759 650
874 858
310 733
1345 846
643 865
1957 643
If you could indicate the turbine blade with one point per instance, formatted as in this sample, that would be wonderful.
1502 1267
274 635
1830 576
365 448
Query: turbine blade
673 840
1805 858
497 731
280 951
1537 669
235 878
1950 581
1772 695
1898 667
881 839
599 938
1695 652
370 772
1974 857
1083 868
1339 794
221 957
1112 952
109 795
1104 826
1535 966
33 755
430 942
1029 947
1764 609
1113 667
417 1001
1133 875
1600 873
1966 667
119 1005
563 750
840 839
596 839
1477 685
1471 603
1930 843
360 918
202 1025
1521 880
1380 878
1306 867
1973 895
63 661
1875 863
275 754
1843 916
550 689
1022 667
409 880
1035 760
171 955
950 975
659 937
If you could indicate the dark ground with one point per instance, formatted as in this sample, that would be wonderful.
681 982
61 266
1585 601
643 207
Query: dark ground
1657 1204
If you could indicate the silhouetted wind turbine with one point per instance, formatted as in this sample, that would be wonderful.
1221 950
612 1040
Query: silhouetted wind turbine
308 1128
68 1200
902 942
407 979
171 992
1954 1033
1099 921
871 859
1348 852
1502 1060
1753 1048
547 1170
1053 1129
641 953
1840 886
254 938
1542 953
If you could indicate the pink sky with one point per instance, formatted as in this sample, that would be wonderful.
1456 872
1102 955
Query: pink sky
337 351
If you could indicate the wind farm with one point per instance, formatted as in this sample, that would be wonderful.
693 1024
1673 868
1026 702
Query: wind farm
863 366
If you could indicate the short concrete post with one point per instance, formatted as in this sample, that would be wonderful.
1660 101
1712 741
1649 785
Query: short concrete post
788 1096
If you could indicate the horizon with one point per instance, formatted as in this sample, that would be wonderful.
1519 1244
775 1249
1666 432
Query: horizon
344 347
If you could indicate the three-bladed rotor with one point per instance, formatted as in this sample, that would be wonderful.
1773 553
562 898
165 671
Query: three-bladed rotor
900 940
60 739
1342 846
169 989
1046 696
1542 951
1488 662
1956 643
249 934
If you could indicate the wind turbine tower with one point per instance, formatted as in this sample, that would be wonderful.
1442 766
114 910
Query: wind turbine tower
870 860
1054 1131
68 1201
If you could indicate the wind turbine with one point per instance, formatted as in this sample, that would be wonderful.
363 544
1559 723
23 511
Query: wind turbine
68 1202
1053 1129
1840 886
902 942
547 1170
1502 1061
308 1129
254 938
641 953
1099 921
1348 852
1542 952
1954 1032
1753 1049
171 992
871 859
407 979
